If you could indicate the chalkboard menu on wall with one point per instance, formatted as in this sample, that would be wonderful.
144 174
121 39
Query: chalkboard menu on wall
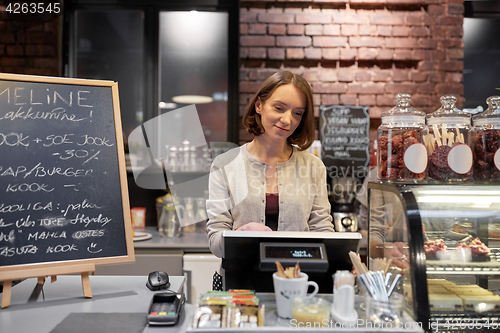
344 135
62 173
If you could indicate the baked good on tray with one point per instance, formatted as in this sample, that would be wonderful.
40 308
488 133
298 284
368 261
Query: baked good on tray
460 229
479 251
447 296
432 248
437 290
440 282
481 303
469 290
445 302
494 231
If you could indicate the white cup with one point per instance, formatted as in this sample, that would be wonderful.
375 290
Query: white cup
286 290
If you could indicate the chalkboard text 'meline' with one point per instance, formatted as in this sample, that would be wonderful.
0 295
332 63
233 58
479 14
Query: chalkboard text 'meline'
21 96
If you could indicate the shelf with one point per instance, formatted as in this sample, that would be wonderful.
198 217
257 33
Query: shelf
491 267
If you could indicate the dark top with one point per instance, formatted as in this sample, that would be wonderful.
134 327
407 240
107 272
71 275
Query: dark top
272 210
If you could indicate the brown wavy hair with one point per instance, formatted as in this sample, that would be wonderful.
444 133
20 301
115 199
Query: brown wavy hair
303 136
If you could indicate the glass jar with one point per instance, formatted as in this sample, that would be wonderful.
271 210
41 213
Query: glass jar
401 154
448 142
311 311
485 136
168 222
388 314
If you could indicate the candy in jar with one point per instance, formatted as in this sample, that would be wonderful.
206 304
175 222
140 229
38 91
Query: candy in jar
401 154
486 133
448 142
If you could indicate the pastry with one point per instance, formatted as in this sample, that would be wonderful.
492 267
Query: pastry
481 303
479 251
445 302
432 248
436 289
494 231
469 290
459 229
439 282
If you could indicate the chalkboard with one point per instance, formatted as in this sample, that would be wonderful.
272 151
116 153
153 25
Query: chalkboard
62 173
345 141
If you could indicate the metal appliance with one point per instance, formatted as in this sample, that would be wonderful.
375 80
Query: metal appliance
343 202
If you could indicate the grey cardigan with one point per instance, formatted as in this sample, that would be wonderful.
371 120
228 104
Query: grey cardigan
237 194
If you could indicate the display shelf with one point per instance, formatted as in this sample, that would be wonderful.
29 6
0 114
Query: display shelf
491 267
411 214
455 267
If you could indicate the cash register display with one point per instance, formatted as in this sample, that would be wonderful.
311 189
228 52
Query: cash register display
313 252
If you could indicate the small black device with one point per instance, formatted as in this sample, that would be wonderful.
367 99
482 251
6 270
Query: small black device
312 256
158 281
165 309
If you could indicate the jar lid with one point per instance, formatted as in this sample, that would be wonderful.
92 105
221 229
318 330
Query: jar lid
448 113
388 119
403 111
491 115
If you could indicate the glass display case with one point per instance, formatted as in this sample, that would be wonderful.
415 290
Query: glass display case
445 241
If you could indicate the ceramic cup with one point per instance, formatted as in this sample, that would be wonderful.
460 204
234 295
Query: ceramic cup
286 290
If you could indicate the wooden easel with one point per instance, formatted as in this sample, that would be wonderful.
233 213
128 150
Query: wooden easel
51 270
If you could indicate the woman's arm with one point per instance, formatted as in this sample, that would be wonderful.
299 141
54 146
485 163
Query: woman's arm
320 218
218 208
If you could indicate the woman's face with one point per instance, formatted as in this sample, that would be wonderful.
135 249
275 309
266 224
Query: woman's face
282 112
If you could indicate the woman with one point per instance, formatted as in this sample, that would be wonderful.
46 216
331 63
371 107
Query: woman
271 183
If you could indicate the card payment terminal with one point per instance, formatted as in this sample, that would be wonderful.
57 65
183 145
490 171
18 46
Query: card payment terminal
165 309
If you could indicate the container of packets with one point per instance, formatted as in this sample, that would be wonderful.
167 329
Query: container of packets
485 136
448 143
401 154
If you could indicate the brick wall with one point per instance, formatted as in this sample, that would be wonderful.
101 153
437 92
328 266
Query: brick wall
30 44
358 52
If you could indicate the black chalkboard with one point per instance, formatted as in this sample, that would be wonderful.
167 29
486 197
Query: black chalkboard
344 135
63 183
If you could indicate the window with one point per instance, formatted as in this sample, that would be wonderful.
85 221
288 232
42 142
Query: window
159 52
109 46
481 52
193 67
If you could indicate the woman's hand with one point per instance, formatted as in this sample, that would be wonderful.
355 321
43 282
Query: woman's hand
254 226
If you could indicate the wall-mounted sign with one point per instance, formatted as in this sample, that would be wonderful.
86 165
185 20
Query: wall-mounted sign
345 141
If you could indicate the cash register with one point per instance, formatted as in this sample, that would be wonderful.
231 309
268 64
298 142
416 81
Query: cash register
248 257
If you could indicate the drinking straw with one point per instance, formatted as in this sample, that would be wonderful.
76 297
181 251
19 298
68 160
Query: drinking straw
364 282
394 283
387 279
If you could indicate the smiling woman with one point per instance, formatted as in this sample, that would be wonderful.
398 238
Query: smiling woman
304 134
282 113
271 183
